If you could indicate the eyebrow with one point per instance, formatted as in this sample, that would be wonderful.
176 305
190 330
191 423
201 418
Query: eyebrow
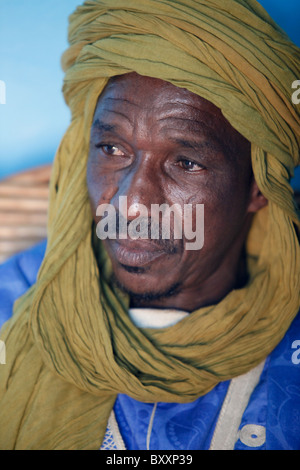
195 145
103 126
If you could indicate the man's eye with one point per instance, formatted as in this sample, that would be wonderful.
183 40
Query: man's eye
189 165
111 150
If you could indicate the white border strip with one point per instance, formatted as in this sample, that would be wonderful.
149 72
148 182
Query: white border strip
236 400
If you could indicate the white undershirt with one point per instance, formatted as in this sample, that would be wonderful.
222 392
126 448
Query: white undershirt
155 318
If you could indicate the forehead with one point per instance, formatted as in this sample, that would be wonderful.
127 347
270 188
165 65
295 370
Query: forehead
137 95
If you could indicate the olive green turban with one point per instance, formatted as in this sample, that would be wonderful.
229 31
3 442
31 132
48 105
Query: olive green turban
71 347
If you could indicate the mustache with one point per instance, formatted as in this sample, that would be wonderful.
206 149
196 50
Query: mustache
169 245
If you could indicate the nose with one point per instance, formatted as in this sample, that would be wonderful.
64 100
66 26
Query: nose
141 186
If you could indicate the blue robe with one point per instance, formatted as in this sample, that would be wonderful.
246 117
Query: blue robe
270 421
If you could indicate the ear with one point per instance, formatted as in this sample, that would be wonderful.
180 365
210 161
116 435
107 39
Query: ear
256 200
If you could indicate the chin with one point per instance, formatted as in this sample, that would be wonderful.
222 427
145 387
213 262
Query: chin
142 289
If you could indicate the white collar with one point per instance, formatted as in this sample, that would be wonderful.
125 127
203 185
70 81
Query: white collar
155 318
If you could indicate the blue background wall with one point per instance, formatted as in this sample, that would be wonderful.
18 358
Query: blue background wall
33 35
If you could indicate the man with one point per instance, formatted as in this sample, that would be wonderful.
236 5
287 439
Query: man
141 341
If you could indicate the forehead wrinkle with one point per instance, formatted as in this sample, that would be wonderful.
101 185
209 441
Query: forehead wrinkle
141 108
187 120
117 113
206 109
122 100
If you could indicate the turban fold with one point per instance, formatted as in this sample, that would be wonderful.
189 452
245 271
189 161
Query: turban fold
71 347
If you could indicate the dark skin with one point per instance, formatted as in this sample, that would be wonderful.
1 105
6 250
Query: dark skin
156 143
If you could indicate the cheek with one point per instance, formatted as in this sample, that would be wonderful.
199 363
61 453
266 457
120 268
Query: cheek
225 210
101 188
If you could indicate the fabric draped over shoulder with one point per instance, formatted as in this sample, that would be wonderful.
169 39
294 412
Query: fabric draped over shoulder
71 347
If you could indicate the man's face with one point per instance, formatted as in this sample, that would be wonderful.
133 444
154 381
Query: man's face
159 144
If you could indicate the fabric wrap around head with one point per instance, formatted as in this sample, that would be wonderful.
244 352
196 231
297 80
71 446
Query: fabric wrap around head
71 347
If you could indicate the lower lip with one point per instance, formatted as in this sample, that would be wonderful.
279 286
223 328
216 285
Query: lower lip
136 256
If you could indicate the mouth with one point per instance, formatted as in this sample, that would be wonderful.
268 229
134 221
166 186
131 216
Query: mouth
136 253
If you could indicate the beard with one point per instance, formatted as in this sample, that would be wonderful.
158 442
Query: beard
138 299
